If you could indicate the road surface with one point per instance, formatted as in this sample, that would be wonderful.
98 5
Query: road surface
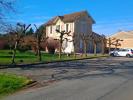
113 82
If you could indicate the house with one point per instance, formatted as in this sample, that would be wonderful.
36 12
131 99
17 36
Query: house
77 24
126 37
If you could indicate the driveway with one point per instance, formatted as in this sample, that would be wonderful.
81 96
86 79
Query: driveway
95 79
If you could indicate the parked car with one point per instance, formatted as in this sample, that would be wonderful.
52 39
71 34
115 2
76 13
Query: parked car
122 53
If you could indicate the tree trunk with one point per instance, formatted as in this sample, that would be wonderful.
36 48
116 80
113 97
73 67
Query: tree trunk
60 46
109 45
39 51
103 47
95 48
74 51
109 48
14 52
116 45
39 54
85 49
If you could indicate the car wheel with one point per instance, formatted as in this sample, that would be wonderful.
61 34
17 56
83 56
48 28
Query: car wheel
112 55
128 56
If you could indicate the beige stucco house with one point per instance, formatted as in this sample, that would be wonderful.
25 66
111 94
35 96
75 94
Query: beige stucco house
126 37
77 23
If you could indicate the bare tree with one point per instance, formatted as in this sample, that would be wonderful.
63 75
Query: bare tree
38 40
96 39
61 39
117 43
109 44
74 37
19 33
103 41
85 39
95 47
111 41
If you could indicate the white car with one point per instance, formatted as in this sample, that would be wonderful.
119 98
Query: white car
122 53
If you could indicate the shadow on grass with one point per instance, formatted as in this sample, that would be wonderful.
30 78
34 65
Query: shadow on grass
25 57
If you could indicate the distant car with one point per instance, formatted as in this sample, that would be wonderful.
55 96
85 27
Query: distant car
122 53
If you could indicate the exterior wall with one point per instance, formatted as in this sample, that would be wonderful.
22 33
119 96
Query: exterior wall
67 46
126 43
126 36
99 47
82 26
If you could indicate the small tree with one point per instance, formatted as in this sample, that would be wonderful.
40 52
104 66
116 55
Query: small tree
103 41
61 39
95 47
95 38
74 43
39 38
85 39
19 33
116 43
11 41
110 42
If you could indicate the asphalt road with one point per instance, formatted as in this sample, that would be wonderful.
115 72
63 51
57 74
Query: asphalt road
97 79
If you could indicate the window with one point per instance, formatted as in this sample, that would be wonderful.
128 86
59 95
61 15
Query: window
67 27
58 27
51 29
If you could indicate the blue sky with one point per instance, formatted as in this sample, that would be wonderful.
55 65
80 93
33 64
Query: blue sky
110 15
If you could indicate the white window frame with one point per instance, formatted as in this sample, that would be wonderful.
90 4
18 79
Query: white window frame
67 27
58 27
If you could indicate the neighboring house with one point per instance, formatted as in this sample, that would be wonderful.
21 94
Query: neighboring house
77 23
126 37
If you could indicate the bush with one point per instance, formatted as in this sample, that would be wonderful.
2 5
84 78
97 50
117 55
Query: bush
10 53
23 48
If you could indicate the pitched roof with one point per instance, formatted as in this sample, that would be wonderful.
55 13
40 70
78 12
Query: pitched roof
69 17
123 35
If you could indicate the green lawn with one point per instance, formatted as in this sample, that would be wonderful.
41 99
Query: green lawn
10 83
29 57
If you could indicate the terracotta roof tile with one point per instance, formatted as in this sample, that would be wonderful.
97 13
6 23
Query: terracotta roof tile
69 17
